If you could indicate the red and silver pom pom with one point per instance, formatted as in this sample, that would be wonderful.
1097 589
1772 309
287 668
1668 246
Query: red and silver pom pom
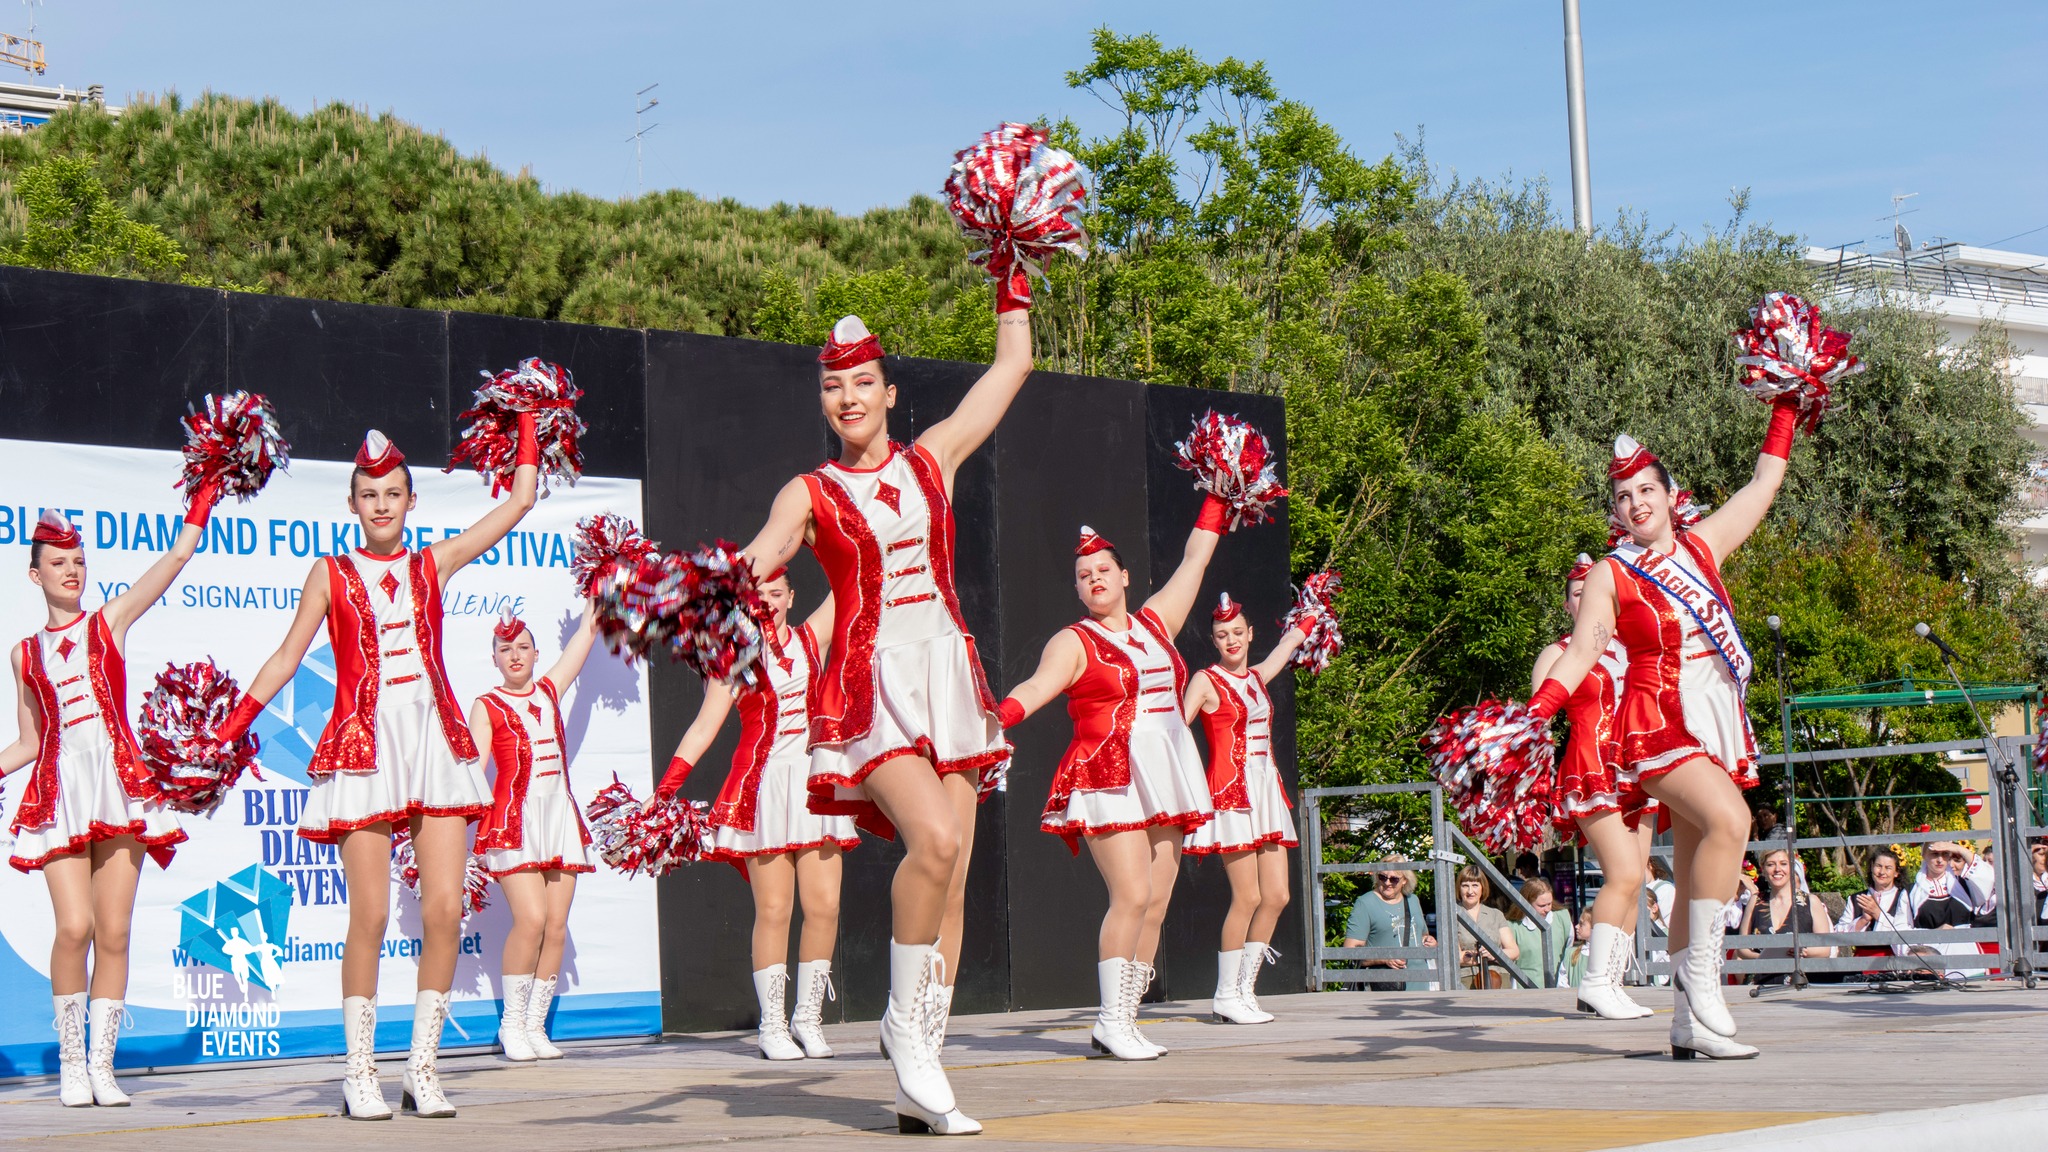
491 442
649 842
233 443
1787 351
1018 199
1315 613
703 608
177 732
405 868
602 545
1233 462
1685 513
1497 765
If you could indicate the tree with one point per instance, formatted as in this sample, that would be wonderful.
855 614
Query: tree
74 226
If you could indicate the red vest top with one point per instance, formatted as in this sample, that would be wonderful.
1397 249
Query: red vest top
512 751
107 680
1103 704
768 713
1241 727
349 742
858 563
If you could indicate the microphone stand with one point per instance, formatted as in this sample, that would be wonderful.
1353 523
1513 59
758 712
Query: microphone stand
2006 774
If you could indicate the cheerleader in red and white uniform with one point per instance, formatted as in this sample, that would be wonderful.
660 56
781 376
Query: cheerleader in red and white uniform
1131 783
91 809
762 823
904 735
1605 806
1254 824
533 841
395 750
1685 737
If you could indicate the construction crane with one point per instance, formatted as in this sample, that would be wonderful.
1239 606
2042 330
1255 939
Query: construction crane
25 52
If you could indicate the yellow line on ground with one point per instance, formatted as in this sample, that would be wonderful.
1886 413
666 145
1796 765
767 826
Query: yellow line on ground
198 1124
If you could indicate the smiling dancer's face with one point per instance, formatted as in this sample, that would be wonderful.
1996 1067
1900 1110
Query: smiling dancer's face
1233 638
1644 504
381 504
856 402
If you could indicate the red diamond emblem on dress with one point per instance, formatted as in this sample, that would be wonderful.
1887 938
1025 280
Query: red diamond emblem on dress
889 494
390 586
1138 642
535 710
788 664
65 648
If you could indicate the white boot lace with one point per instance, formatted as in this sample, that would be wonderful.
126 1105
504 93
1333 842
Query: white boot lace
930 1024
1248 975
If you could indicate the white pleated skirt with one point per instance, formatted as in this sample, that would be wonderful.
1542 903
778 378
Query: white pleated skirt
783 820
1267 821
550 838
925 704
1169 785
92 806
417 774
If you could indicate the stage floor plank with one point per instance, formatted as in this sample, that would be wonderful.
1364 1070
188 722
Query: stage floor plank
1360 1072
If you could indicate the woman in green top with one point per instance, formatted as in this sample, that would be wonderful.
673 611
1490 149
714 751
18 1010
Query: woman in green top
1534 960
1389 916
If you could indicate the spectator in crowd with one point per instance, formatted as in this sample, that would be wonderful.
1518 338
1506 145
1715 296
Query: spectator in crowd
1945 895
1532 958
1664 890
1389 916
1883 907
1477 969
1575 962
1527 868
1655 929
2040 855
1783 905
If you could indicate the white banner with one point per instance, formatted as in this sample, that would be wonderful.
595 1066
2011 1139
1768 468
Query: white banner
236 948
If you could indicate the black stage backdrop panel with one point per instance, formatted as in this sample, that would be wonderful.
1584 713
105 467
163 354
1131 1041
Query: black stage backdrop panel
1070 452
609 364
1252 565
93 360
335 371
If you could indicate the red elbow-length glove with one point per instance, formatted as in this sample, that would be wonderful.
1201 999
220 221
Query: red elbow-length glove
672 780
1784 421
529 441
1548 698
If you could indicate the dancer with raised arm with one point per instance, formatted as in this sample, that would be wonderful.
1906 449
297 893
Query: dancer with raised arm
533 841
395 751
1596 803
1254 824
762 823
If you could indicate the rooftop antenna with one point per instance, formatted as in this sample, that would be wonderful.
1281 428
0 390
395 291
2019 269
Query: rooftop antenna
1900 236
639 133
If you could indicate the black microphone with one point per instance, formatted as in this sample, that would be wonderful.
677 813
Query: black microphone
1925 633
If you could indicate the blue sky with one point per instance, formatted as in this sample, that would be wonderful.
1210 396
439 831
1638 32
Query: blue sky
1823 110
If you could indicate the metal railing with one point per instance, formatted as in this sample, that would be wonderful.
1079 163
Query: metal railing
1439 962
1934 272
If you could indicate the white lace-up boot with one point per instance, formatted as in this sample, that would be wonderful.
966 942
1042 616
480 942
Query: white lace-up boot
537 1004
74 1085
1257 953
1690 1038
924 1097
807 1022
1140 975
1113 1032
773 1039
1228 1006
362 1098
512 1025
1697 967
942 1015
1600 989
105 1014
419 1090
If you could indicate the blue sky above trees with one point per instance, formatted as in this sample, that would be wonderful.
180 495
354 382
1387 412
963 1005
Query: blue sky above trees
1823 111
